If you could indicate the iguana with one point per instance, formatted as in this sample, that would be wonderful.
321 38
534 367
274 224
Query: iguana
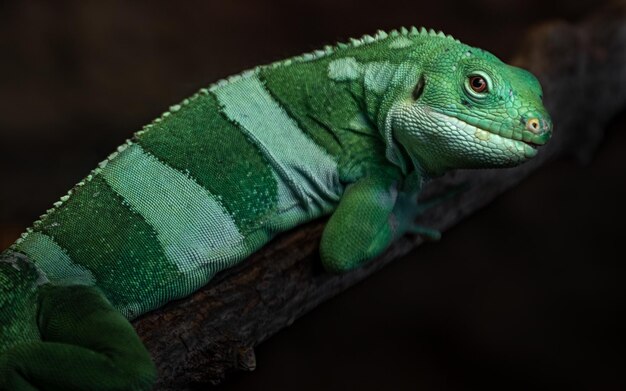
352 131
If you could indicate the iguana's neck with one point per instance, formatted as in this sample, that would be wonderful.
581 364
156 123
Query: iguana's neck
342 95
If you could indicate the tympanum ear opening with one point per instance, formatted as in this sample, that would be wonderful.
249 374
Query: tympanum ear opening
419 88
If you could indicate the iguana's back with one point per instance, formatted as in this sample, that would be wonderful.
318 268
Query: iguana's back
195 192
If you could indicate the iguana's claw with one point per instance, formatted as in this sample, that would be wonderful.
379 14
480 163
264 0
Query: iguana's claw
428 233
445 195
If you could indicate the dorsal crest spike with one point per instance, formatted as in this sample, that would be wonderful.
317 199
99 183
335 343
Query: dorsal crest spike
368 39
381 34
352 43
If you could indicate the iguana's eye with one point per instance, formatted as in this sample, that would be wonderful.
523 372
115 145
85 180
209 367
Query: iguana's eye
478 83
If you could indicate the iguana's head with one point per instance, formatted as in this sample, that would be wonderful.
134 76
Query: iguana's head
469 110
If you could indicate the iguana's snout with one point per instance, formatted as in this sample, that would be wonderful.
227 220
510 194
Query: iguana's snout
537 128
522 100
540 127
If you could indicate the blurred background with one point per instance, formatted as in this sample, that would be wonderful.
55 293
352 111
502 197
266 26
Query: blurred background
526 294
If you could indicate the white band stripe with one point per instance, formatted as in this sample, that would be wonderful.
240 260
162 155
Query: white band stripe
53 260
308 173
193 227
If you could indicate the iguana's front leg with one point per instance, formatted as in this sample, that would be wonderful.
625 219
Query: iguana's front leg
86 345
372 213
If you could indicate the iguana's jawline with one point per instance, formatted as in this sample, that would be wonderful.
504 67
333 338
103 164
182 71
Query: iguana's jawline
535 143
530 149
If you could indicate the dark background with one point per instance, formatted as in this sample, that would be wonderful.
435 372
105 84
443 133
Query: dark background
526 294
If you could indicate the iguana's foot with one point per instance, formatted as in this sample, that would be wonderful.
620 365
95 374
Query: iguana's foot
86 345
408 209
445 195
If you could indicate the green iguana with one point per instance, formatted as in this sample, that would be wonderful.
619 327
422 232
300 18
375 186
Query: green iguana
352 131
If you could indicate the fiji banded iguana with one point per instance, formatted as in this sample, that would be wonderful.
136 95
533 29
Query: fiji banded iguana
352 131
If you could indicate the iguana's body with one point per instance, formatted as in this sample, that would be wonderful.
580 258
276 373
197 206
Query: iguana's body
353 130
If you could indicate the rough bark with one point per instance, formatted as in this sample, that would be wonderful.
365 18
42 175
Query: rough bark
203 337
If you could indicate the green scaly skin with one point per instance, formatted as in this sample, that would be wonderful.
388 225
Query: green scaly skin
352 131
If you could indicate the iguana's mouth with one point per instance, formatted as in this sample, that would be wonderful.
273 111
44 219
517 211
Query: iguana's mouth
524 142
532 145
533 140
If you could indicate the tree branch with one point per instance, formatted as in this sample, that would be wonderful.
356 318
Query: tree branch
199 339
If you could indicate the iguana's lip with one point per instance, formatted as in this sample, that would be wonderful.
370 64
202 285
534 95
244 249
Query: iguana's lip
532 140
526 137
529 148
531 144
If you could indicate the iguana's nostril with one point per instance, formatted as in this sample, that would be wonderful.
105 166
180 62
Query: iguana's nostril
533 125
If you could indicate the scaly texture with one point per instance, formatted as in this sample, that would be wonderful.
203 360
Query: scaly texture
353 130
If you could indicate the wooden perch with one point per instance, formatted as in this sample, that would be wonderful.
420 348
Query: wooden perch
214 331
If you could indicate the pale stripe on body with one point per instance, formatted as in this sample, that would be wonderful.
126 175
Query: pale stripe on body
192 226
307 174
51 258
